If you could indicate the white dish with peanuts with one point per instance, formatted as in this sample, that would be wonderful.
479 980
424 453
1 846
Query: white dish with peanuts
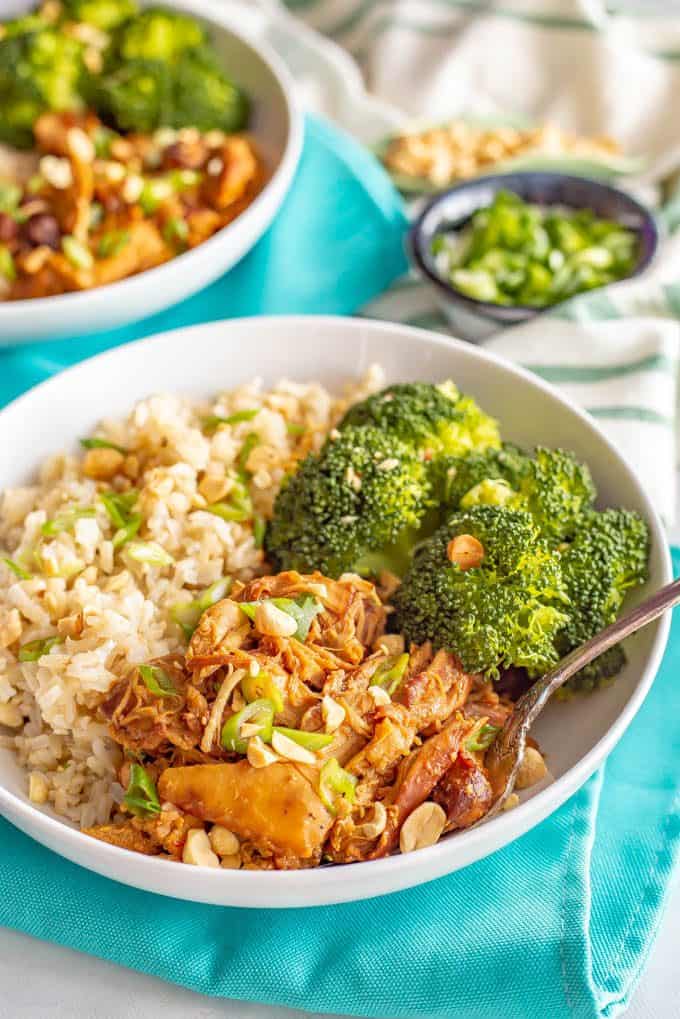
199 699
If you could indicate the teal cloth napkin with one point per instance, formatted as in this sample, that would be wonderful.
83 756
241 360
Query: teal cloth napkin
558 924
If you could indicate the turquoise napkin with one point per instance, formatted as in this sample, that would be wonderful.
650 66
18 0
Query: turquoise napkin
558 924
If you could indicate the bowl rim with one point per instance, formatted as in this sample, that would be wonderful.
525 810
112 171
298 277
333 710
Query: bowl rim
328 885
511 313
282 174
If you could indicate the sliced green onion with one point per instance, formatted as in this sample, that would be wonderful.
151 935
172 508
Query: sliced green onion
262 686
10 196
35 184
249 443
102 138
187 614
308 740
7 267
16 569
141 797
180 180
96 443
390 673
335 782
157 681
35 649
96 215
302 610
112 243
295 429
118 505
65 521
77 254
149 552
176 231
124 534
259 528
260 712
232 513
213 421
483 738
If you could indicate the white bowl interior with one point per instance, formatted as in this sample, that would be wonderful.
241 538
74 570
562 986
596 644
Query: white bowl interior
575 736
275 126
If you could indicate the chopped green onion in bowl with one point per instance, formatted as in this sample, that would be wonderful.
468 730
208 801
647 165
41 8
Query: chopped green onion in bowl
95 443
520 254
149 553
35 649
141 797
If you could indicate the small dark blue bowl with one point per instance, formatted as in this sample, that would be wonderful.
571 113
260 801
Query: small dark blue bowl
451 210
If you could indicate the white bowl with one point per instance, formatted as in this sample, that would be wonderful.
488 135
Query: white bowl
576 735
276 126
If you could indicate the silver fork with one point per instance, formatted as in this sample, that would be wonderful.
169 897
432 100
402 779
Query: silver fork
505 754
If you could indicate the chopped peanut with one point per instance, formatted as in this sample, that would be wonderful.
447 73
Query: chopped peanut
38 788
375 826
423 827
223 841
197 850
291 750
465 551
102 464
333 714
259 754
532 769
274 622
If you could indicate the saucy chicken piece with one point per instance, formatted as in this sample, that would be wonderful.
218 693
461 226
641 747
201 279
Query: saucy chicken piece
277 807
435 693
236 168
417 777
165 832
221 629
464 793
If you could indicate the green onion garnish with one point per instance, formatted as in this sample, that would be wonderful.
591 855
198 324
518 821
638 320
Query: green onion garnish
66 520
483 738
229 512
118 504
308 740
176 231
17 570
335 782
295 429
260 712
249 443
149 552
7 267
390 673
35 649
259 528
112 243
124 534
187 614
157 681
262 687
141 797
10 196
213 421
101 444
302 609
77 254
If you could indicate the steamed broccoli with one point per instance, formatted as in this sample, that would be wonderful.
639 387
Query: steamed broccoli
507 611
136 96
553 486
103 14
608 556
358 498
159 34
204 97
39 70
433 418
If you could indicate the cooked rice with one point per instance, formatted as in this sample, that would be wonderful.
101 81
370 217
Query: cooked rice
125 605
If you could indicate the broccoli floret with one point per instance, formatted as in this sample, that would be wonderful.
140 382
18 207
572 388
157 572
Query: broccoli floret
159 34
39 70
507 611
204 97
433 418
454 478
607 557
103 14
136 96
599 673
553 486
556 490
357 498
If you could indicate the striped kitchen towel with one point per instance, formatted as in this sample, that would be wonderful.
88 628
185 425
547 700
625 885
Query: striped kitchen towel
591 66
